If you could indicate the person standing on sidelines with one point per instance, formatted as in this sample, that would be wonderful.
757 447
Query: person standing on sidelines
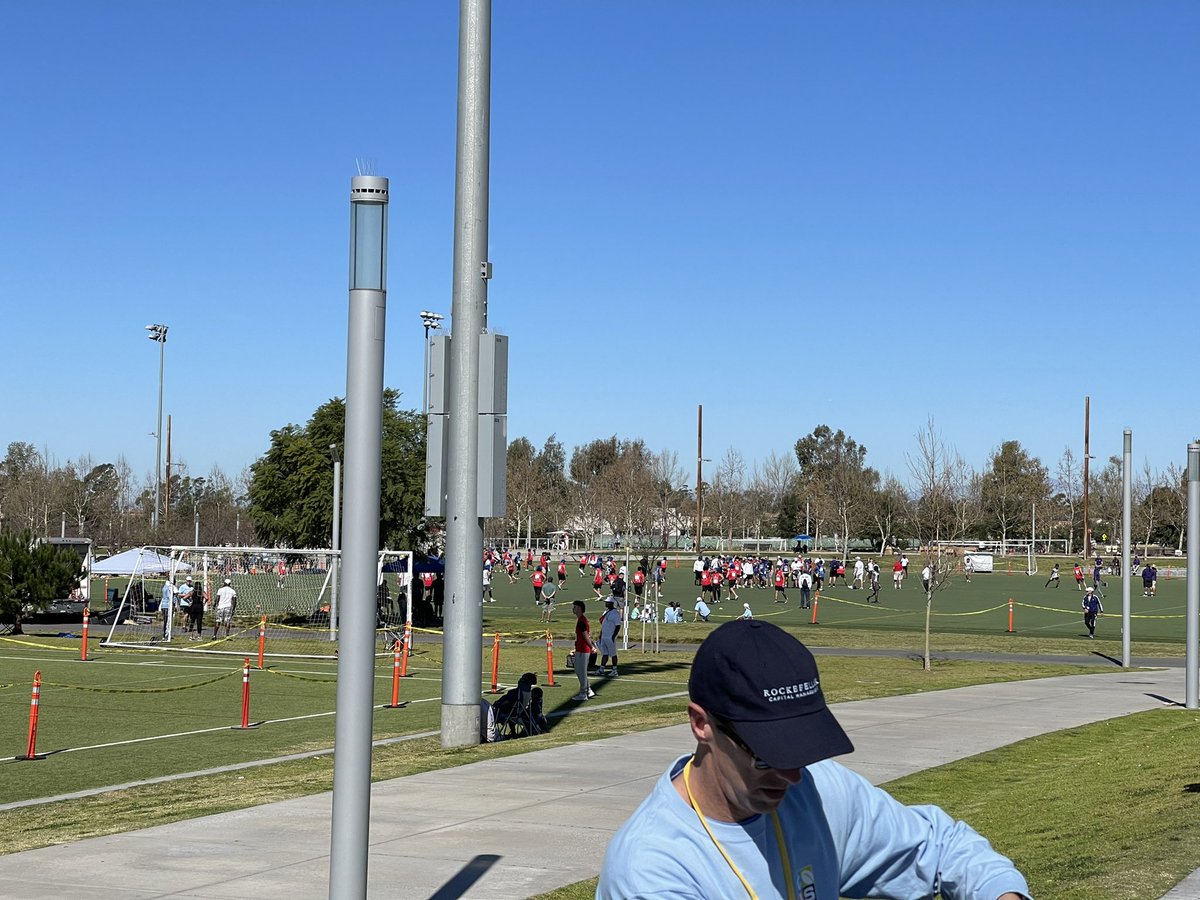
760 809
487 584
1091 608
226 605
548 601
583 650
539 581
926 577
610 628
805 590
1053 577
166 604
196 612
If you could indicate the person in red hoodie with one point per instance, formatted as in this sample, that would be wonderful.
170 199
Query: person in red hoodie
539 581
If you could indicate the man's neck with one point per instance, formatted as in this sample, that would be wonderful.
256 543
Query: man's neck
709 800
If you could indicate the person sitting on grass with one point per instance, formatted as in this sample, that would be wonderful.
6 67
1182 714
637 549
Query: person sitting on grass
701 610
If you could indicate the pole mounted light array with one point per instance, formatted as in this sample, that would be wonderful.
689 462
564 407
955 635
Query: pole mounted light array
431 321
158 333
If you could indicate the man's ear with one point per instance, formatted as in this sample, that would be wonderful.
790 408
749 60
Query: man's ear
702 727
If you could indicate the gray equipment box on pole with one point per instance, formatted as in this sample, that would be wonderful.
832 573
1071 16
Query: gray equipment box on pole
492 491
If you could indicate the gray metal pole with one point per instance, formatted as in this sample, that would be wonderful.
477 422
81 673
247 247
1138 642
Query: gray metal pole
1193 577
162 345
356 634
1126 538
462 667
425 379
336 563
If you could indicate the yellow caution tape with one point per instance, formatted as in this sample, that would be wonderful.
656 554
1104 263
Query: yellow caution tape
40 646
159 690
302 677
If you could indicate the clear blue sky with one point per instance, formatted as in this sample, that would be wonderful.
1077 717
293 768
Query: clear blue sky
854 213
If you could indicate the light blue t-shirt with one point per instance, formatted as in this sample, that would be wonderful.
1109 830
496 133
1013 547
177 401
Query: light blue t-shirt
844 837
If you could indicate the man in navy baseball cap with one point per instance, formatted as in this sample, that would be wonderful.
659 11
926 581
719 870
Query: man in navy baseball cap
761 810
758 681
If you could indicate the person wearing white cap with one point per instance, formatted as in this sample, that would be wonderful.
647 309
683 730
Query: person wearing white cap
1092 607
226 604
746 613
760 809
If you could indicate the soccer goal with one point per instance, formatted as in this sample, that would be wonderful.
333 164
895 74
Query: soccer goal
284 598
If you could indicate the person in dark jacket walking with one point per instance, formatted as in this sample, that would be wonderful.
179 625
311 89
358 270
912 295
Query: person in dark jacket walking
1091 608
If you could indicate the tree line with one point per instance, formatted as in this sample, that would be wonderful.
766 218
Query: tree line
823 486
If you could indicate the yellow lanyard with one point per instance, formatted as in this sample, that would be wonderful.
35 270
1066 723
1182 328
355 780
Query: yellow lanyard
783 852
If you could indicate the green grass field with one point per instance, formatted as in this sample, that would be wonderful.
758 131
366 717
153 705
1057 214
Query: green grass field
977 608
126 715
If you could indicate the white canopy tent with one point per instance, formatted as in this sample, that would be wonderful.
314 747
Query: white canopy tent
138 561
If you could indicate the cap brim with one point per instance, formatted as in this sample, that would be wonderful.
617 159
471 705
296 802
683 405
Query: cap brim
796 742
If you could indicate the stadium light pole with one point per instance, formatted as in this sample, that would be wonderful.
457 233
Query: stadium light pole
197 489
158 333
351 821
431 321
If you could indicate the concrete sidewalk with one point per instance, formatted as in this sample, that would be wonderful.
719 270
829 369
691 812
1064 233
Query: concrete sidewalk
513 827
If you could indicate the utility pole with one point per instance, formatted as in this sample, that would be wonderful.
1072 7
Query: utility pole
699 477
158 333
1087 455
462 661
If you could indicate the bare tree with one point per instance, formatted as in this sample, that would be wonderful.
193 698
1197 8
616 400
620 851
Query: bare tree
1068 483
670 485
888 507
728 493
1176 480
627 490
936 480
777 476
1147 510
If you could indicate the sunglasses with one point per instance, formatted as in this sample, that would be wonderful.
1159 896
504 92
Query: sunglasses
727 729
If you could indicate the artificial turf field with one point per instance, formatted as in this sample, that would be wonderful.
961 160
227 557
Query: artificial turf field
126 715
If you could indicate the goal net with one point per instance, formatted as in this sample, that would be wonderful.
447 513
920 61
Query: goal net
285 598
